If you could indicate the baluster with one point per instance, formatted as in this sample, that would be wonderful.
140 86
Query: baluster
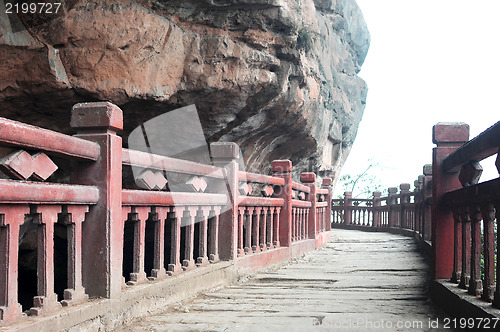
316 212
175 239
159 215
276 225
496 295
299 224
263 228
457 252
304 223
298 219
213 239
248 230
294 217
466 247
475 283
202 249
11 218
73 216
45 216
139 215
187 222
489 252
255 229
241 221
269 230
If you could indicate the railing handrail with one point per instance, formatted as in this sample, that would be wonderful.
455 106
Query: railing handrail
482 146
161 198
26 192
18 134
260 178
300 187
169 164
260 201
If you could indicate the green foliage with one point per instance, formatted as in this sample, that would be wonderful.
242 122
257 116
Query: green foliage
306 38
363 184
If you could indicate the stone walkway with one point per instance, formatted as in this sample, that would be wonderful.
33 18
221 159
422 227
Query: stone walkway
357 282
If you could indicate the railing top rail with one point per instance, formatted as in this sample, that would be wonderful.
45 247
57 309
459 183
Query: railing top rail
322 191
361 199
300 187
169 164
260 201
260 178
13 133
162 198
481 193
301 204
482 146
24 192
321 204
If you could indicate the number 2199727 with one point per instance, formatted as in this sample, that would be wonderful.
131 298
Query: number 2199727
32 8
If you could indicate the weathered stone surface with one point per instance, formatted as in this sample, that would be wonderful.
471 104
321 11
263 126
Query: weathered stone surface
278 77
356 280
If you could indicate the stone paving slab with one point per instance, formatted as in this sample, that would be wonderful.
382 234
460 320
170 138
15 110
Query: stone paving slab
357 282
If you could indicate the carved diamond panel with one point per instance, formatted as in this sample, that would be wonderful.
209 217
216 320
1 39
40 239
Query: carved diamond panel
470 173
301 195
151 180
21 165
197 184
43 166
267 191
245 188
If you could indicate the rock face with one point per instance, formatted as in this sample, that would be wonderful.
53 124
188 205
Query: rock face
278 77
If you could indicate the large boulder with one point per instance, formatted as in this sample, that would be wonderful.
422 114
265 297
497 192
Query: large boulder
278 77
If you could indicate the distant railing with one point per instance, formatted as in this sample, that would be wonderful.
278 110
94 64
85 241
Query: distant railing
93 236
448 206
407 210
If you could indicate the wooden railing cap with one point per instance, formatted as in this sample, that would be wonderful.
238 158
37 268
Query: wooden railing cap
392 190
307 177
450 132
97 115
404 186
225 150
281 165
427 169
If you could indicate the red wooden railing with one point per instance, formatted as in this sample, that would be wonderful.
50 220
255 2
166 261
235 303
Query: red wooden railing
448 206
112 233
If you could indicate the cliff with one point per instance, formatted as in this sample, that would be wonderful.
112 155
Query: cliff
278 77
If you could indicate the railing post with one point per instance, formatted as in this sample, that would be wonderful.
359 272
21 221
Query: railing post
347 207
447 137
419 205
405 198
309 179
103 230
391 201
327 184
376 203
427 201
283 169
226 154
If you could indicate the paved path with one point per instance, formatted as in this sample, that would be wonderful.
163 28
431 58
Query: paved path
357 282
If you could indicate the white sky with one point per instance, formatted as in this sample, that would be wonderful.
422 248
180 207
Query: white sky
429 61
